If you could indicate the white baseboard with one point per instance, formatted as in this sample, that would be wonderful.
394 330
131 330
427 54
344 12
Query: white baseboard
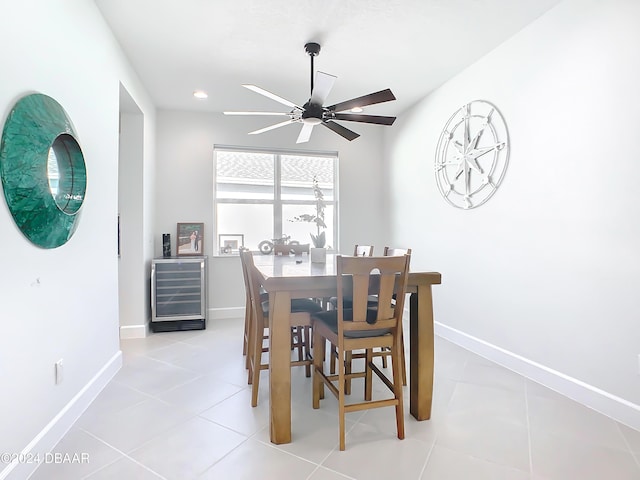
134 331
229 312
610 405
50 435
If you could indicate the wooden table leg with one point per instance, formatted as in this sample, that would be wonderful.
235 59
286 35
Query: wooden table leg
280 367
421 352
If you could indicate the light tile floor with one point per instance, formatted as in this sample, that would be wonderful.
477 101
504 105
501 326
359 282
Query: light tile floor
180 409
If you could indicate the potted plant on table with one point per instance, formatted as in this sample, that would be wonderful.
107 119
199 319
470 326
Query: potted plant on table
318 253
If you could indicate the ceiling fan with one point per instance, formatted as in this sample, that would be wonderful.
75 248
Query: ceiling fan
314 113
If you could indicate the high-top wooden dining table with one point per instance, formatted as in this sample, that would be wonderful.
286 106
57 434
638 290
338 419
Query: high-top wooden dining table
284 278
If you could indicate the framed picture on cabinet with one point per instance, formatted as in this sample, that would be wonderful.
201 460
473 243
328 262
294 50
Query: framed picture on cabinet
190 239
230 244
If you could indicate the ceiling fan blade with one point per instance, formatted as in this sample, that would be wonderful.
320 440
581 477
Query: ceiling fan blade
355 117
340 130
305 133
272 96
321 87
256 113
371 99
277 125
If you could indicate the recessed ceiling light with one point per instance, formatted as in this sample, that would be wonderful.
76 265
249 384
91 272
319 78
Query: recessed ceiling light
356 110
200 94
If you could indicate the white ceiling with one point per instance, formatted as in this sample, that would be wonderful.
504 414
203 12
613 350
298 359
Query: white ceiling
410 46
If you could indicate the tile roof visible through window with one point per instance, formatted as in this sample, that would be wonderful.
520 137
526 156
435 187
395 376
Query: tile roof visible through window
251 167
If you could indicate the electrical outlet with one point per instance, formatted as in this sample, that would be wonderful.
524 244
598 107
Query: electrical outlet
59 377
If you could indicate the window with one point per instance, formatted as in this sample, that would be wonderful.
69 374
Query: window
259 194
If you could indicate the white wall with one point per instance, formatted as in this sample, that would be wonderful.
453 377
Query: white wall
131 266
185 182
549 269
61 303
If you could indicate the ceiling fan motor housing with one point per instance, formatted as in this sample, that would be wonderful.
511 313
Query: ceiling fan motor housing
312 113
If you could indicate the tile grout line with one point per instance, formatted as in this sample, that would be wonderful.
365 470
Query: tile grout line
426 461
626 442
347 477
446 408
180 384
121 453
161 433
318 465
223 457
526 405
275 447
190 416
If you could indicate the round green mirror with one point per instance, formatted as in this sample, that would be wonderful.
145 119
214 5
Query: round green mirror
64 166
43 170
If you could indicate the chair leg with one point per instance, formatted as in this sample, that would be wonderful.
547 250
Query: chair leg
318 367
257 335
333 358
255 384
341 399
396 361
348 362
368 381
298 341
403 363
307 349
248 326
250 351
384 358
246 333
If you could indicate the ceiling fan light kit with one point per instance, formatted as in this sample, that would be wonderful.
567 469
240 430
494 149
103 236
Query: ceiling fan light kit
313 112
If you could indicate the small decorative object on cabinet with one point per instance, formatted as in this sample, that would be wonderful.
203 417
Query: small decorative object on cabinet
178 294
166 245
190 239
230 244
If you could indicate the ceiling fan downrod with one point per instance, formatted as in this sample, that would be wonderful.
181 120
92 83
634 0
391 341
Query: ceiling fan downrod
313 49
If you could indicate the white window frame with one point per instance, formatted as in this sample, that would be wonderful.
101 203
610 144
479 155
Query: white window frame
277 202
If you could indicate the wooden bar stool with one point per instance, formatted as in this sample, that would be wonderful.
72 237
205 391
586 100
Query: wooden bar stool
301 310
363 327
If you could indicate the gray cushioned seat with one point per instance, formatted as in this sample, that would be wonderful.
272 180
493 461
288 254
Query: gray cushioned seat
297 305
